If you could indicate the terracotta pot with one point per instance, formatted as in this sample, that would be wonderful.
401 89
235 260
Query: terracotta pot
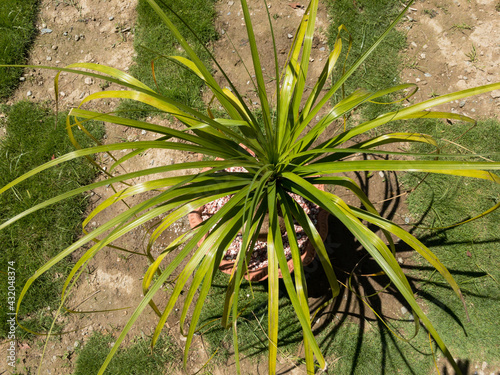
260 274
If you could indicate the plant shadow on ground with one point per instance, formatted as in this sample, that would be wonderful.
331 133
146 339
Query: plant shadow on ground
358 273
355 340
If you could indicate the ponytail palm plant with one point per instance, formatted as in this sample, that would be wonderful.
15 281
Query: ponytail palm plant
282 151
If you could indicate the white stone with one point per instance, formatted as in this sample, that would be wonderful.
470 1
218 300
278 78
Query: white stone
495 94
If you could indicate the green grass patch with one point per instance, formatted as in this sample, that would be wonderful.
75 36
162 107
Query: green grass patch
470 251
153 39
32 140
135 359
371 349
367 348
252 323
365 22
17 31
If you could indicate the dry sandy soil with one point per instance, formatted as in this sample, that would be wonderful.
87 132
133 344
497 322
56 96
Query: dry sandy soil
102 31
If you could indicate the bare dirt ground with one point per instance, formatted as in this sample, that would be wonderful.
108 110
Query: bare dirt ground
454 45
102 31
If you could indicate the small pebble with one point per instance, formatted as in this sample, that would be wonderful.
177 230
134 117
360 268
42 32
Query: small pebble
65 33
143 132
82 95
428 74
495 94
54 47
77 38
322 49
22 79
461 104
231 3
29 93
404 310
45 31
422 55
414 45
111 18
49 58
290 36
89 81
